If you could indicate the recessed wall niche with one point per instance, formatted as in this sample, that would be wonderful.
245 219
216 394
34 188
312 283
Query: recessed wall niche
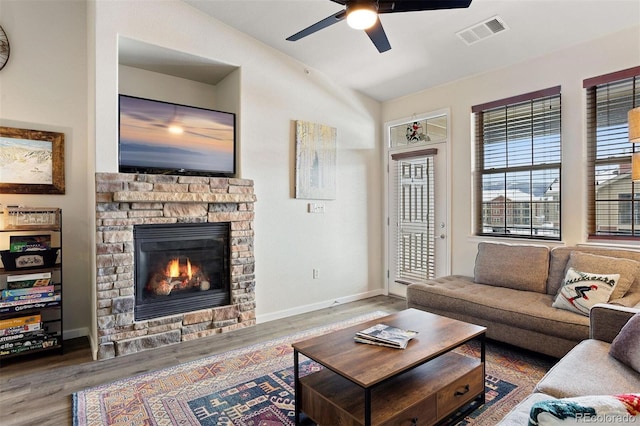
155 72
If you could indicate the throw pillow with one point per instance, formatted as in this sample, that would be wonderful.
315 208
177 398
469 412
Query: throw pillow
581 290
627 268
590 409
626 345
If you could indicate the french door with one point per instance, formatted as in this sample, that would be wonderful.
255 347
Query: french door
417 243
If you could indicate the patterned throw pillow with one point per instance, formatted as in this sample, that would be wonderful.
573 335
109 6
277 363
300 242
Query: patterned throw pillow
581 290
628 269
626 345
592 409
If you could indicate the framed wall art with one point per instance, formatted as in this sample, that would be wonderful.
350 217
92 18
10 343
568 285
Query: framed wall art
315 161
31 161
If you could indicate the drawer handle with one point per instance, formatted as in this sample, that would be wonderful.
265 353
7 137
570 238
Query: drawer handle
414 421
462 392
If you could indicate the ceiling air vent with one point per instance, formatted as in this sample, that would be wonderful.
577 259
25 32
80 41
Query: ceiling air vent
483 30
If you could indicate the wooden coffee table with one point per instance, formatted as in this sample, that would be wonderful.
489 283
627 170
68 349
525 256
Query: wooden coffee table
426 383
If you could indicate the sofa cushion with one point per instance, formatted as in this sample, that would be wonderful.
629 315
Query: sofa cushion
600 409
526 310
588 369
519 415
626 345
627 268
517 266
581 290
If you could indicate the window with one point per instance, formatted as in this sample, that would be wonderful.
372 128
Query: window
518 158
614 199
419 131
627 209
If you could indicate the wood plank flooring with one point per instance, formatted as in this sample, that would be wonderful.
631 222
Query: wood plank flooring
38 391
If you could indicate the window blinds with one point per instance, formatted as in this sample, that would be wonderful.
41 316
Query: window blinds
415 216
614 199
518 164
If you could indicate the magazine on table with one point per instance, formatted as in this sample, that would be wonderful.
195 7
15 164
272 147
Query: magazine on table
385 335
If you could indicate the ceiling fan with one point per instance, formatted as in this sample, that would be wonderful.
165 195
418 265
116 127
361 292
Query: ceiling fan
363 15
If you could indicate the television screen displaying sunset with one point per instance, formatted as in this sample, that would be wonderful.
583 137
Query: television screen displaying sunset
167 136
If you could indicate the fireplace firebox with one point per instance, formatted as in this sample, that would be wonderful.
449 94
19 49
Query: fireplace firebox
180 267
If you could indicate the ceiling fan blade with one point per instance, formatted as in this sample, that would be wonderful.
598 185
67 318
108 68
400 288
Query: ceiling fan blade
379 37
329 20
418 5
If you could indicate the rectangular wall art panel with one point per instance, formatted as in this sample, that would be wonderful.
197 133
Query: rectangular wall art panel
315 161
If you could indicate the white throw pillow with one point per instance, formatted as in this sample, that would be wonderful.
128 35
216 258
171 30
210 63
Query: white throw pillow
581 290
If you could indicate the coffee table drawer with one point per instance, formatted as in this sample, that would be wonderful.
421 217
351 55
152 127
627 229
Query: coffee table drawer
459 392
421 394
329 399
422 413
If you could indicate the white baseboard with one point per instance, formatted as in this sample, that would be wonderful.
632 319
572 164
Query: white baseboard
81 332
76 332
315 306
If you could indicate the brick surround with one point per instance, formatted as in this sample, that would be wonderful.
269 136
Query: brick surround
126 199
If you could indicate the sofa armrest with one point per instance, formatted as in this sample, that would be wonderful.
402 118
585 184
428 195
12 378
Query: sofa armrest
629 300
606 320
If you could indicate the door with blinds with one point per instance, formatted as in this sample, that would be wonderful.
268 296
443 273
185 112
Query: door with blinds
417 208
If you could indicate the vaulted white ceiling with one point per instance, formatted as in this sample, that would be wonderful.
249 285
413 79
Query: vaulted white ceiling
425 51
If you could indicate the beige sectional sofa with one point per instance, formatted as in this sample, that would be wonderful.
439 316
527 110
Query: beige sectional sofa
513 290
588 370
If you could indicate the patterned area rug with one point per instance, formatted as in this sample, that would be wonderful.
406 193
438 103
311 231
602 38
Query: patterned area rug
253 386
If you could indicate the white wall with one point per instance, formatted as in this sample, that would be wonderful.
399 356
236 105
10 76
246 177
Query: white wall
44 87
567 68
146 84
345 242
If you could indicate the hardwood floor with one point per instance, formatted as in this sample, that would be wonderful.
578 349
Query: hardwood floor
38 391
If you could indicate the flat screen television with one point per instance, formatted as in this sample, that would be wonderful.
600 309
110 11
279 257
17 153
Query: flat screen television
167 138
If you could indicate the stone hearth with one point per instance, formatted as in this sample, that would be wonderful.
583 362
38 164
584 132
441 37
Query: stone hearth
124 200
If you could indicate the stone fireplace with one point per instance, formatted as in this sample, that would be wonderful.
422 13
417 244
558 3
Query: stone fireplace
166 205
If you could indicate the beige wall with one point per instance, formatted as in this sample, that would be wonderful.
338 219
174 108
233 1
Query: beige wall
566 68
44 87
345 242
63 76
153 85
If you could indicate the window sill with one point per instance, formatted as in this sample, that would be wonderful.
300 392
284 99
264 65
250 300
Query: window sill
614 243
510 240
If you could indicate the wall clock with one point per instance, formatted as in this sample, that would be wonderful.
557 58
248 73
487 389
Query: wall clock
4 48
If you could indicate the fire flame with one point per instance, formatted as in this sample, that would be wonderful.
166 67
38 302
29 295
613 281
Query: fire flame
173 269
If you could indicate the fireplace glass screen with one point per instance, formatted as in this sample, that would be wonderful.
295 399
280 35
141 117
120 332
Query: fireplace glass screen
180 268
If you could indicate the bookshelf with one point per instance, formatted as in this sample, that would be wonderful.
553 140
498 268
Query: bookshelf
30 282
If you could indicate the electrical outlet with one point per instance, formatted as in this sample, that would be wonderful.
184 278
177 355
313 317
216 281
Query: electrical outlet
316 208
316 273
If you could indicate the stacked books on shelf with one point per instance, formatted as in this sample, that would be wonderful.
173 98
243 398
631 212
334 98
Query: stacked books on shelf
22 243
385 335
28 291
23 334
29 252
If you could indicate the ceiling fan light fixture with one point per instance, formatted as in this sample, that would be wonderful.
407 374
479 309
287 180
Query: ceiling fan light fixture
361 16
